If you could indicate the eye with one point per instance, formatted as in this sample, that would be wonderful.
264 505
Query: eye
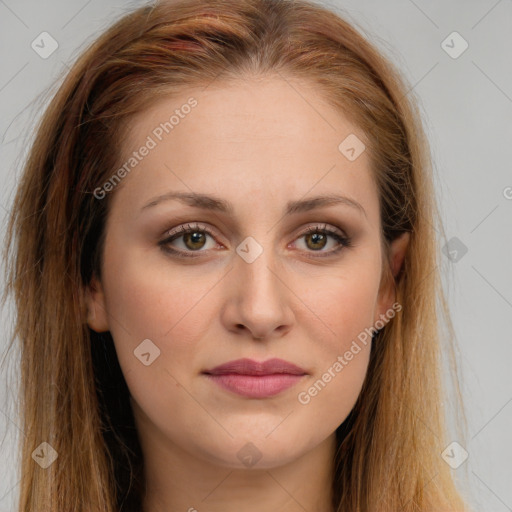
316 238
195 238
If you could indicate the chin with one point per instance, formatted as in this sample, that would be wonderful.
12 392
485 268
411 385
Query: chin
257 452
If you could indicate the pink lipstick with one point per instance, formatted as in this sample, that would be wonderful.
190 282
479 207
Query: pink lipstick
255 379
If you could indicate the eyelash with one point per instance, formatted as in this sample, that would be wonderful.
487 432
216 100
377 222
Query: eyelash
344 241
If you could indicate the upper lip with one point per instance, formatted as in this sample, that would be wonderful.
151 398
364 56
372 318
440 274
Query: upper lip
251 367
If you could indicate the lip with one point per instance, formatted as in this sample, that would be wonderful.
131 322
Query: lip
255 379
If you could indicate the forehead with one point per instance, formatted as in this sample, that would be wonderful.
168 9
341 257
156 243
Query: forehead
273 137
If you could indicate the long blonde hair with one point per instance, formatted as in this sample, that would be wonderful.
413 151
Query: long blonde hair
73 394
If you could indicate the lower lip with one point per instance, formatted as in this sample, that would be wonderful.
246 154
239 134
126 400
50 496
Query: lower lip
256 386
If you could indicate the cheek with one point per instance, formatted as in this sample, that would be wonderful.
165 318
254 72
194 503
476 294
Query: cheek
148 301
344 307
151 297
173 309
327 399
338 316
345 317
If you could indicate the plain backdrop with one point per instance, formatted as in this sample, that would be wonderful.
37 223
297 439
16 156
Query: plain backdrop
465 95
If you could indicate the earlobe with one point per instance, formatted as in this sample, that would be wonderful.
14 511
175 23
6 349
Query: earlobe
96 307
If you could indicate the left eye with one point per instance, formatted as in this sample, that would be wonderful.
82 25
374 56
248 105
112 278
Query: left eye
317 235
194 239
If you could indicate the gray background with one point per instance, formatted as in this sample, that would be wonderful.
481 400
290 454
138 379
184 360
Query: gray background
467 110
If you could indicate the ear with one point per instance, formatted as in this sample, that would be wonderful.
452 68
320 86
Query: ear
96 307
397 252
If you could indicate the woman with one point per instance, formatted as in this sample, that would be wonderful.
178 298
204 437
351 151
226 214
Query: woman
225 273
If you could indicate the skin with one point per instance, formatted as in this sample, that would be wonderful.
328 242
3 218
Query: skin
258 144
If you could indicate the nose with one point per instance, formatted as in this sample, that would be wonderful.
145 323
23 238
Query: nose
259 297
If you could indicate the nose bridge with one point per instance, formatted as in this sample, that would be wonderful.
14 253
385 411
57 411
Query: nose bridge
256 267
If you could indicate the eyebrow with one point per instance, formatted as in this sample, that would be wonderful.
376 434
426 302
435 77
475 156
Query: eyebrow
209 202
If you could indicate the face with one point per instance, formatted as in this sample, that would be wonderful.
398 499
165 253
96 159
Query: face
242 268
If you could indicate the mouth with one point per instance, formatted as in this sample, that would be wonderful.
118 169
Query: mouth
254 379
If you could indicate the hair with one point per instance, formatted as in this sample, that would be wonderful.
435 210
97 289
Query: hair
73 394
